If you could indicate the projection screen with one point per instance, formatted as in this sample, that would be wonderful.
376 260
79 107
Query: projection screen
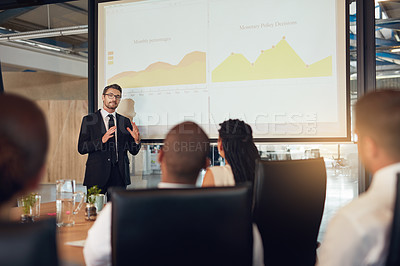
278 65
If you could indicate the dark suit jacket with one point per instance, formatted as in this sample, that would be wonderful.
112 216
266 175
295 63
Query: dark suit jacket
98 165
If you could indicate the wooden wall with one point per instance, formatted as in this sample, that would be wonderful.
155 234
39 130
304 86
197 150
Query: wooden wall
64 120
64 102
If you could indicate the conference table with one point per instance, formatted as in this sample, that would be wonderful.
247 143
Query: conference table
71 253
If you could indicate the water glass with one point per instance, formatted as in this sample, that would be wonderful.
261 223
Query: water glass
65 202
32 208
36 207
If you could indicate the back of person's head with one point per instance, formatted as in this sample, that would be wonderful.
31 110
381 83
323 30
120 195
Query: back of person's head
378 117
23 145
185 151
240 151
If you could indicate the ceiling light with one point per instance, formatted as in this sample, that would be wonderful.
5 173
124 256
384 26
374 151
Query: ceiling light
75 30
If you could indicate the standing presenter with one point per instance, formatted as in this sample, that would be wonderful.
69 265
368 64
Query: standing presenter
107 136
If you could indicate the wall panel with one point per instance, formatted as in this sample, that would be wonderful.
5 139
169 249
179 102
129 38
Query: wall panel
64 102
64 119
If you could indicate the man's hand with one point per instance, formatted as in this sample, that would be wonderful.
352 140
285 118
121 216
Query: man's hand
134 132
109 134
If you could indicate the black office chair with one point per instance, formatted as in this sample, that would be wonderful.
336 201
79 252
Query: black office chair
393 258
28 244
204 226
289 199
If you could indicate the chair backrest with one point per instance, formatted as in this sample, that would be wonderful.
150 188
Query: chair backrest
393 258
204 226
289 199
28 244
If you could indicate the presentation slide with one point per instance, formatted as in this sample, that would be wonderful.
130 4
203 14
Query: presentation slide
278 65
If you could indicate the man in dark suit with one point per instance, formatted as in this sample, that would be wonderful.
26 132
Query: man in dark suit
107 136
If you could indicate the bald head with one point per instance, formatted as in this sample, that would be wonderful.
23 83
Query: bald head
378 117
23 144
185 151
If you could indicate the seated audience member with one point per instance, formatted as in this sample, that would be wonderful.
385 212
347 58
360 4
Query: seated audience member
180 166
236 146
184 154
359 232
23 148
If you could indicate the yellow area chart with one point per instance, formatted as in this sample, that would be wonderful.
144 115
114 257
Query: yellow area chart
190 70
279 62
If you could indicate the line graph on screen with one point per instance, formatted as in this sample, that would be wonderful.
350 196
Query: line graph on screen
279 62
190 70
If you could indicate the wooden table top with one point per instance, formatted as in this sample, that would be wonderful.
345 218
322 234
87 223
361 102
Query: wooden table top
67 253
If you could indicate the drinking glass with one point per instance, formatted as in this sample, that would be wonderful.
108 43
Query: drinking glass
65 202
35 209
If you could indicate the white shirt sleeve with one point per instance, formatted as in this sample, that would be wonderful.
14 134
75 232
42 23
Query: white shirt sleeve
342 244
97 250
258 250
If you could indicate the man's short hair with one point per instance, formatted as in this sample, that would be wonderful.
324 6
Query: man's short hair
112 86
378 116
186 149
23 144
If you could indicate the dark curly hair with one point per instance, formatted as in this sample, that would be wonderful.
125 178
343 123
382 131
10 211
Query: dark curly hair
239 148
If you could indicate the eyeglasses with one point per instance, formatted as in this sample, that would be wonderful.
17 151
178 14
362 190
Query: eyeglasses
110 96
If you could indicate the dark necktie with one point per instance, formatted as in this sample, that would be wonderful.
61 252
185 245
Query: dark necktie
111 141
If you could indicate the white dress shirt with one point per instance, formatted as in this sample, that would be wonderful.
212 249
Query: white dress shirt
359 233
174 185
106 120
97 250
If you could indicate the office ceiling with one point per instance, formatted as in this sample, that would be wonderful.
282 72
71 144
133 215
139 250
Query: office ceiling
75 14
387 36
392 8
45 18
